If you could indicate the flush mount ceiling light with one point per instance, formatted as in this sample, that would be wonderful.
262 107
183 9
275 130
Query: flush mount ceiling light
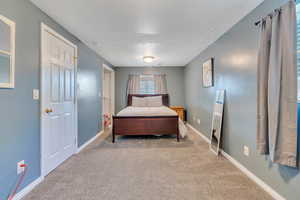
148 59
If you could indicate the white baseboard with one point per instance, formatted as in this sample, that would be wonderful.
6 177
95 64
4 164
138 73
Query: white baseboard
253 177
32 185
204 137
89 142
28 188
241 167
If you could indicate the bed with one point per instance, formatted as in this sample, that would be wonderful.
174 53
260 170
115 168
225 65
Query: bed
147 120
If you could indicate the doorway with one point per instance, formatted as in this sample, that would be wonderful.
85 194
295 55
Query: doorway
58 99
108 96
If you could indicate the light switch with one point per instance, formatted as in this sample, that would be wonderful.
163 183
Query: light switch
36 94
246 150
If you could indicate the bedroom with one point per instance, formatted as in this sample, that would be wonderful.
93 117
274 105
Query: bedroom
178 37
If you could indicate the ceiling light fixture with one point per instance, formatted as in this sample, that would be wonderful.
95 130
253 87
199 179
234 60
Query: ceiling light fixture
148 59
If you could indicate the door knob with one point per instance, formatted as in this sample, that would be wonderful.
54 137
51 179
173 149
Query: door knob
48 111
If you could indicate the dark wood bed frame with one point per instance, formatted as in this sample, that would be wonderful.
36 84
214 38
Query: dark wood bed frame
145 125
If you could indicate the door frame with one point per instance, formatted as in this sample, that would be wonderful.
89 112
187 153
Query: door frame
46 28
112 71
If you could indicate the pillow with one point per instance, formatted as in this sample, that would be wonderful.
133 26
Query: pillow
139 102
155 101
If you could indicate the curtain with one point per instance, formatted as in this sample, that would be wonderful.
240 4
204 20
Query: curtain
133 86
160 83
277 86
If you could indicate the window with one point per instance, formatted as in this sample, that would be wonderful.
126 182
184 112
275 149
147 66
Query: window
147 85
7 52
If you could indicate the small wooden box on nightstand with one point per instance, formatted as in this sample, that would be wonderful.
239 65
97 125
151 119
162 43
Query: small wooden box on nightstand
180 111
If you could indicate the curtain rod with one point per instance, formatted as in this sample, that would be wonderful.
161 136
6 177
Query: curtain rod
258 22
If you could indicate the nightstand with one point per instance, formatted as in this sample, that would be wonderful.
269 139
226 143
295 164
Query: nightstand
180 111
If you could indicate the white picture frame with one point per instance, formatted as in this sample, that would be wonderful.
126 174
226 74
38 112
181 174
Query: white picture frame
207 73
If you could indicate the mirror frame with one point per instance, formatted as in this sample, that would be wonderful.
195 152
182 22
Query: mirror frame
220 114
12 26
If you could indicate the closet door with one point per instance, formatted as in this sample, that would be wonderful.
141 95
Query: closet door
58 100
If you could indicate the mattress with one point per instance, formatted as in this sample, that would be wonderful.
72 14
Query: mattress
147 111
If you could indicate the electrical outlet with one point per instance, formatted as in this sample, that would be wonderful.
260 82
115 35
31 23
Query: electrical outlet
198 121
36 94
246 151
19 168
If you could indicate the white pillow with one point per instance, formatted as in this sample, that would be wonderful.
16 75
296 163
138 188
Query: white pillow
155 101
139 102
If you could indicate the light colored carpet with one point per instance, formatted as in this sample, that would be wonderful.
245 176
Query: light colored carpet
147 168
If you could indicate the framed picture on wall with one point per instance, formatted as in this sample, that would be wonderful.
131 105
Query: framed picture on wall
207 73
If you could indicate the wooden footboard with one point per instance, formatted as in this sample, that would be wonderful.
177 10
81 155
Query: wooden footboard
145 125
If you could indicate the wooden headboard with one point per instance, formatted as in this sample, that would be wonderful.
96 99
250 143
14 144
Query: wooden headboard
165 98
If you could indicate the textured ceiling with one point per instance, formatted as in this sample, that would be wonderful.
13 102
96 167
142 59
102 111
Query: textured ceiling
123 31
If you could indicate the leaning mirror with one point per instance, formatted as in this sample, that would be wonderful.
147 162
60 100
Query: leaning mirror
7 52
215 138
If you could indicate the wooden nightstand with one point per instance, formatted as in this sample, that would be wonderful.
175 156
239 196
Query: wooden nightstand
180 111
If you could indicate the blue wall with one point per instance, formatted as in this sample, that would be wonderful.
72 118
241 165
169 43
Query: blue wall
19 113
89 99
235 56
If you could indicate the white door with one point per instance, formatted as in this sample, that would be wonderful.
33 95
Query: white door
108 104
58 106
107 92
